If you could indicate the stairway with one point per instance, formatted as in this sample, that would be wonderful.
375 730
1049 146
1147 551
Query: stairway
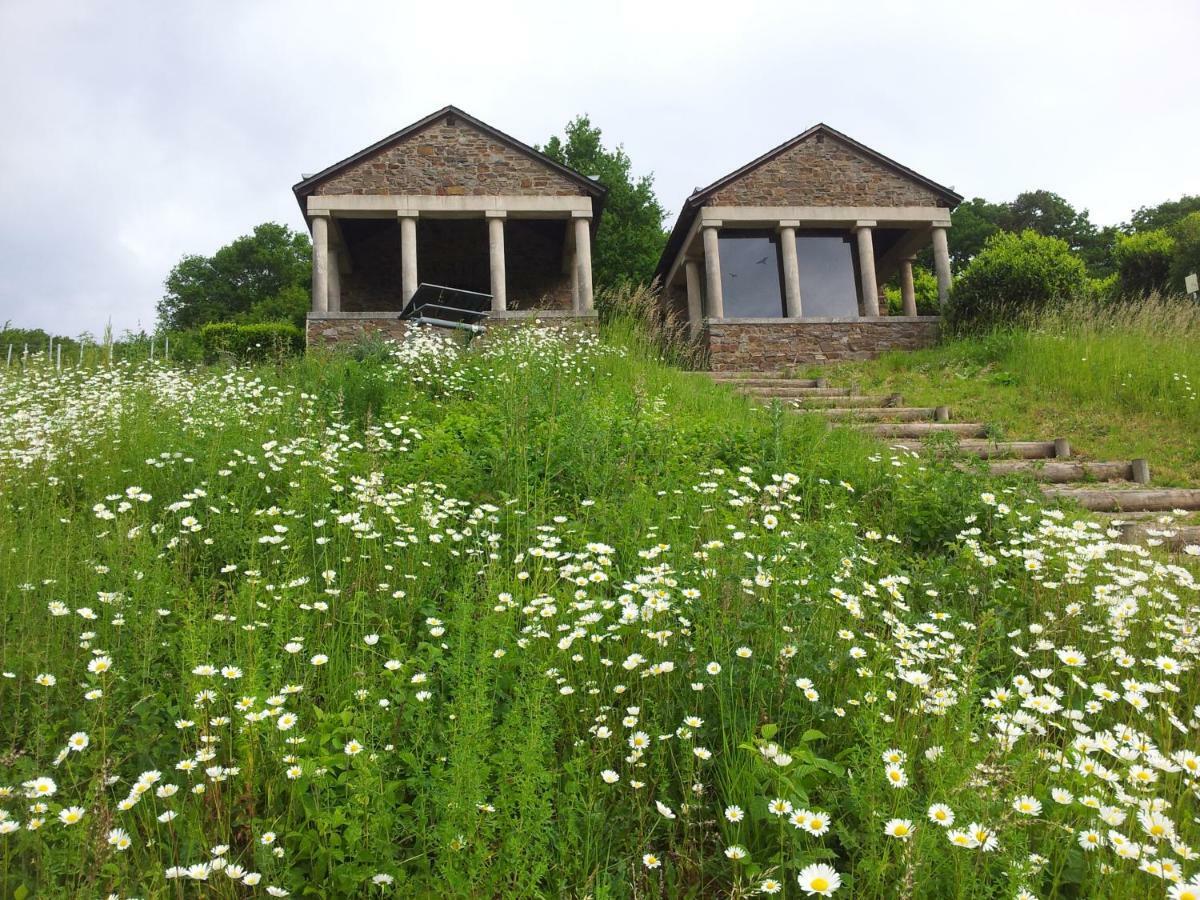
1117 490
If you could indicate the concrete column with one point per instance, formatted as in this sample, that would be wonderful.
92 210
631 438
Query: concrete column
908 293
712 270
941 263
583 262
691 271
866 268
320 263
408 255
495 220
791 269
335 282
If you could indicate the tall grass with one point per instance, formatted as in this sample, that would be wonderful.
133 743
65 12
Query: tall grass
548 613
1136 356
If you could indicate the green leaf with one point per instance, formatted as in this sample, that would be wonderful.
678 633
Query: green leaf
769 731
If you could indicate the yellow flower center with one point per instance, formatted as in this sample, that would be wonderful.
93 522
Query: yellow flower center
820 884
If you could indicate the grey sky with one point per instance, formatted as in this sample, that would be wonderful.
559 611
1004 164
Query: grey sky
135 132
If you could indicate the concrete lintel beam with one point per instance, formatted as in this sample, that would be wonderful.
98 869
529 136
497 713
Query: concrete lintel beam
824 216
546 206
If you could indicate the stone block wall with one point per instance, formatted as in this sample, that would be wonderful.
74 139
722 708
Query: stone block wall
823 171
328 330
776 345
450 157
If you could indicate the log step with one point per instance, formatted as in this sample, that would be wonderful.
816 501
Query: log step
1063 472
921 429
824 403
1137 500
1173 538
992 449
735 376
791 393
760 382
883 413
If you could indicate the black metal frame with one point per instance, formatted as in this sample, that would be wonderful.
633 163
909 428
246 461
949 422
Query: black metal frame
451 307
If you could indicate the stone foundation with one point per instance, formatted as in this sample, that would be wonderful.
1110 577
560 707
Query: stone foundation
769 345
331 329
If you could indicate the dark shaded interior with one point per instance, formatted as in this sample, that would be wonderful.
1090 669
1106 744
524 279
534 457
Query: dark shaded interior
533 262
455 253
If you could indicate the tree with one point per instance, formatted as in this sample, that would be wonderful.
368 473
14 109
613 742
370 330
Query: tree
1143 262
1164 215
257 274
631 237
972 223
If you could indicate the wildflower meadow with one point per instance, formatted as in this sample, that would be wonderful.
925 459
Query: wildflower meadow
545 616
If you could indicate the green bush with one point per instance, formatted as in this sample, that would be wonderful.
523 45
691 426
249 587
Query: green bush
1186 260
264 340
1014 274
1143 262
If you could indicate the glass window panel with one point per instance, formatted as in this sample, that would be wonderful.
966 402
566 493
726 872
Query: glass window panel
751 283
828 274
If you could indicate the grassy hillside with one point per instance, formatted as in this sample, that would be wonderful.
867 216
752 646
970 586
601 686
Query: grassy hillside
1119 381
551 618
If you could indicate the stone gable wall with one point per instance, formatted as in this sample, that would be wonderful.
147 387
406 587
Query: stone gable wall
778 346
450 160
823 173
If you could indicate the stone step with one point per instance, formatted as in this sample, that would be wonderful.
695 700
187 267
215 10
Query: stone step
1131 500
1062 472
760 382
819 403
793 393
992 449
884 413
921 429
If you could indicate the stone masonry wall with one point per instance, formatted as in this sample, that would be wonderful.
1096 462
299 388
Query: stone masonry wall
449 160
823 171
777 346
331 330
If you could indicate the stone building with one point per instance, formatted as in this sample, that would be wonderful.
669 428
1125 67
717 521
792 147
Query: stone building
781 262
448 200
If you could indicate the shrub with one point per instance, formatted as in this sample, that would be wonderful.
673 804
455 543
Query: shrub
264 340
1143 262
1186 260
1013 274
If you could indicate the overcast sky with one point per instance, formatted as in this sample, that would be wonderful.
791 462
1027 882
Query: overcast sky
136 132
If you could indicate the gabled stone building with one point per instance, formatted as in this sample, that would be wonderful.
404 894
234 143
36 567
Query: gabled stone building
448 200
780 262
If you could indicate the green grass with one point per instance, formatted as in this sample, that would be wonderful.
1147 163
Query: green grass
1119 382
385 622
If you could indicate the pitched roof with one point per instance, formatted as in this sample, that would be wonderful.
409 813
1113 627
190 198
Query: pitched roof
701 195
307 185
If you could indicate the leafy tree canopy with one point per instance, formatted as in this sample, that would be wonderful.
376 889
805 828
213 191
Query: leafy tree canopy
631 237
259 274
1041 211
1164 215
